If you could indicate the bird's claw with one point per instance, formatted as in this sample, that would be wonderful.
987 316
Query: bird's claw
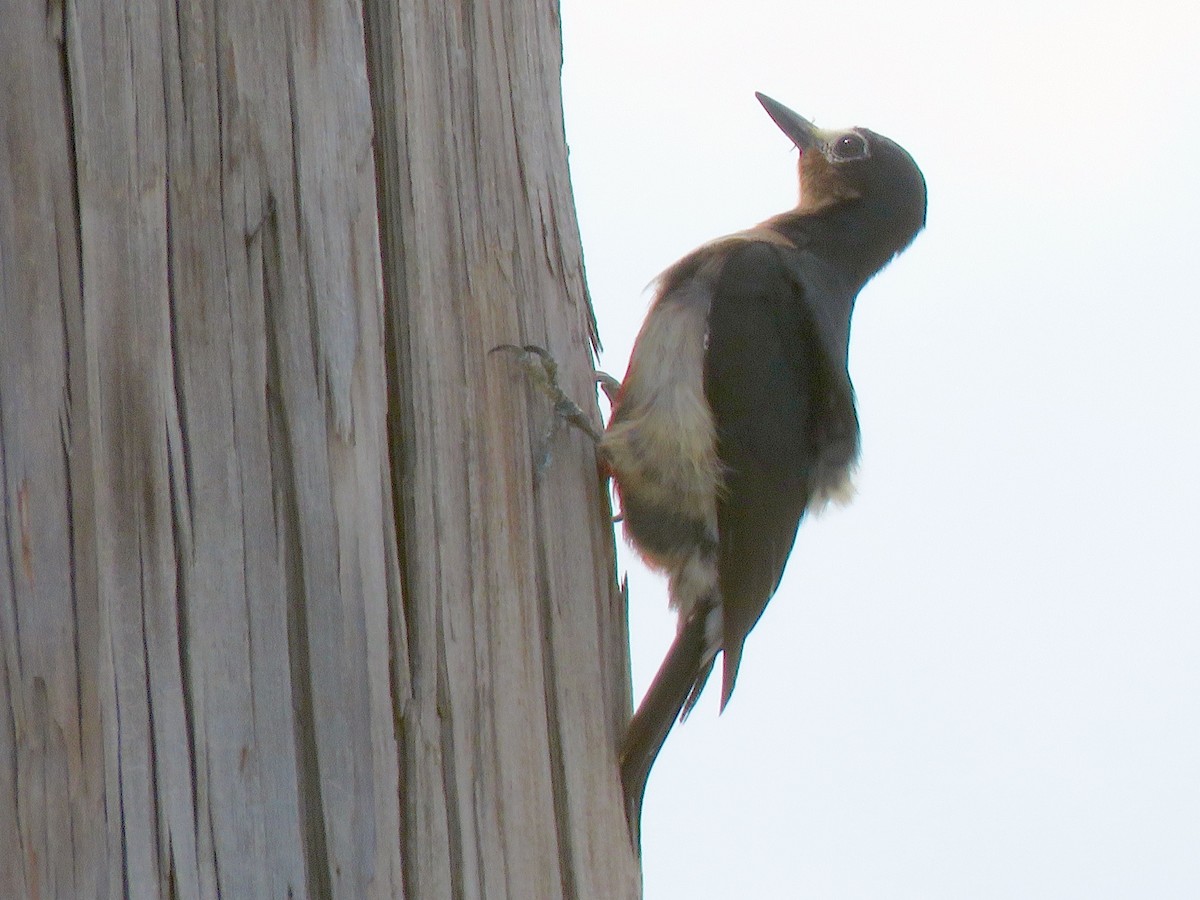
542 370
608 384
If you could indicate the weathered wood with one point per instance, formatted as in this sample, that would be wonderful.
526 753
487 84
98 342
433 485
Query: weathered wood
474 114
284 610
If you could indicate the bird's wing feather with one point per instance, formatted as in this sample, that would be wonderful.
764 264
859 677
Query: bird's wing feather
764 368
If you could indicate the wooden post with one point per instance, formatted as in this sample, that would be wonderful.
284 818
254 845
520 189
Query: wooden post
284 610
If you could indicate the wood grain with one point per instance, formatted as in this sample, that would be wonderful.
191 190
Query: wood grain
284 609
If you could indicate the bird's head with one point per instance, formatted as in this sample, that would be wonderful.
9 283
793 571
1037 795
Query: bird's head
855 166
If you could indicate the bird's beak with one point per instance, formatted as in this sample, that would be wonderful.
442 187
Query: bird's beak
803 133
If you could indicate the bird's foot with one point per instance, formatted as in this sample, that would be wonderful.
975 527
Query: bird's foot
542 370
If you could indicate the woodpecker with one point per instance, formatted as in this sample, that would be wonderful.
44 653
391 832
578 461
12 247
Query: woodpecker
737 413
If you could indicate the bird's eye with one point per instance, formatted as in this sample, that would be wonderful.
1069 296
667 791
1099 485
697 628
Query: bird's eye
850 146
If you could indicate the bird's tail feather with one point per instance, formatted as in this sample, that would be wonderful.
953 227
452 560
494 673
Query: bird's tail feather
673 691
709 609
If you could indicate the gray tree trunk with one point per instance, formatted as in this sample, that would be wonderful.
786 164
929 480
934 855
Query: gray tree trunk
284 611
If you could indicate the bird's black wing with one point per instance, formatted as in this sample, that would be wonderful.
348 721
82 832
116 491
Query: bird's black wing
768 375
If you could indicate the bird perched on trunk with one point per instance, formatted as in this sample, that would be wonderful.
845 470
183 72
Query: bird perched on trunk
737 412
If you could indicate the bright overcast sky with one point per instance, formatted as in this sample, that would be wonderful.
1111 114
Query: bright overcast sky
981 679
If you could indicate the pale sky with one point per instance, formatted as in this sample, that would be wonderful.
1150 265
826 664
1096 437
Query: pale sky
981 679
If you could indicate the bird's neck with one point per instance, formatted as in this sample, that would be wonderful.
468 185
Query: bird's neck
857 237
